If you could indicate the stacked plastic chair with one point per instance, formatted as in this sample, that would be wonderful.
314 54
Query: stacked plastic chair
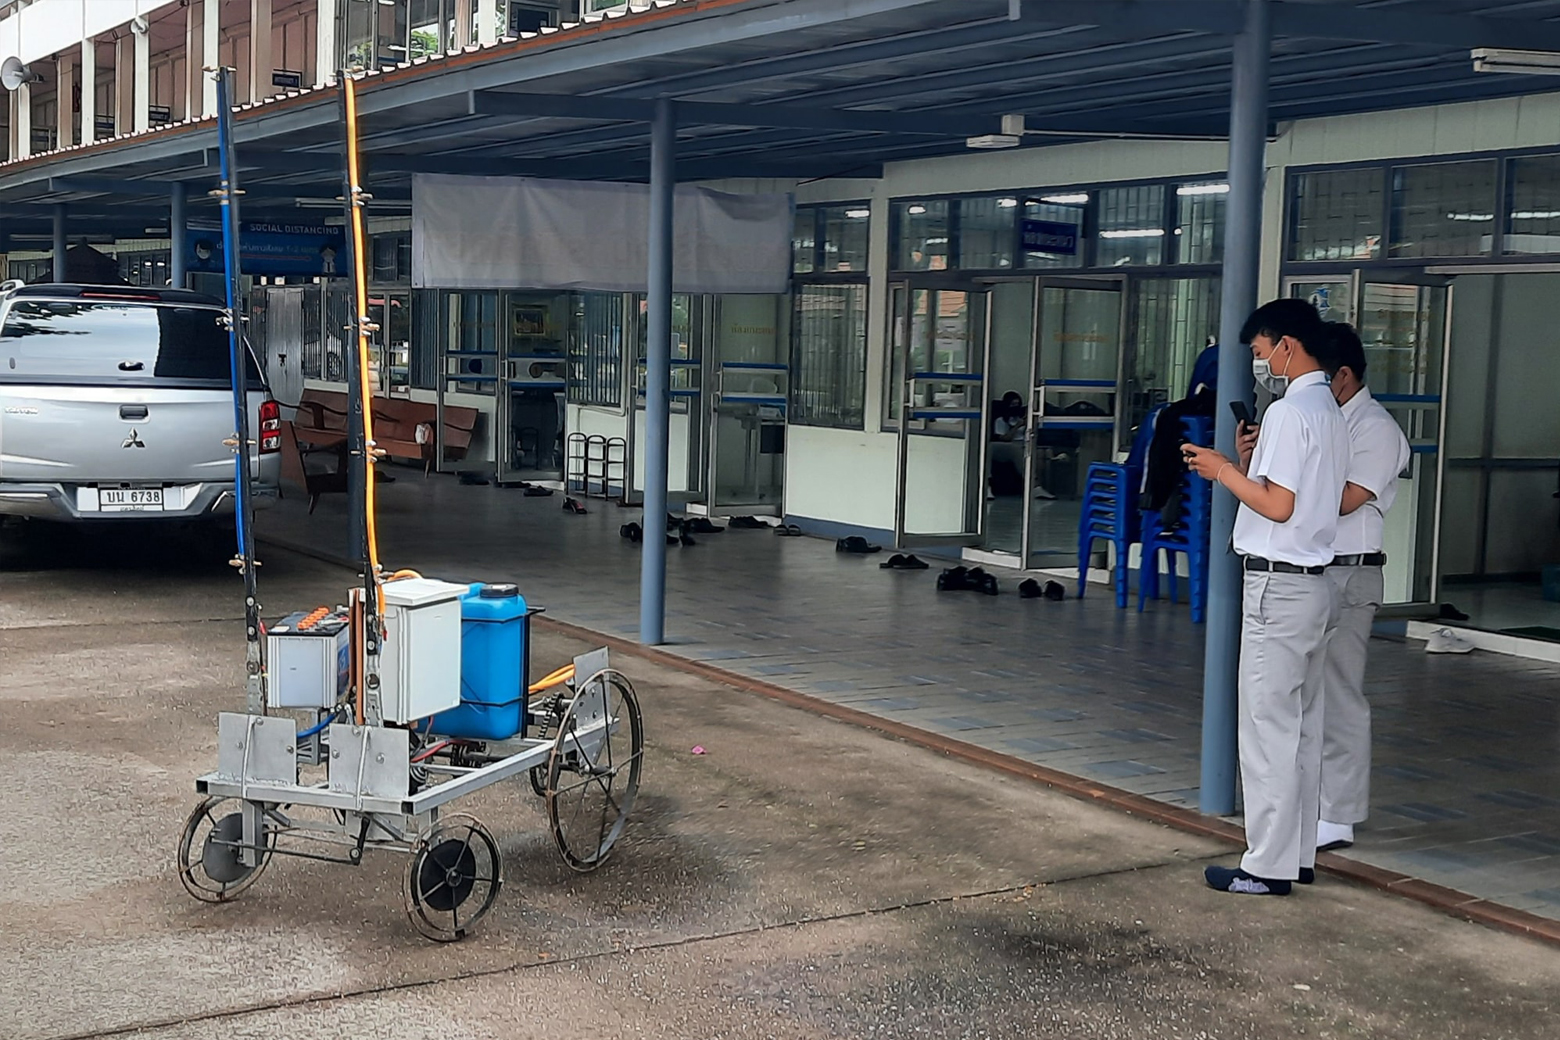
1109 512
1189 536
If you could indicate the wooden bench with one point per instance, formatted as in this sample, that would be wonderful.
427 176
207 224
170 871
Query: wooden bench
319 430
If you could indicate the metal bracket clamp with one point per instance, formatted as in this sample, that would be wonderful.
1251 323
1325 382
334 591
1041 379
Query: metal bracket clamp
257 752
369 762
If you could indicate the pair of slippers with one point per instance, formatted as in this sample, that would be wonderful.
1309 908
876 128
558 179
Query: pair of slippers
1032 589
636 534
899 562
856 545
967 579
788 531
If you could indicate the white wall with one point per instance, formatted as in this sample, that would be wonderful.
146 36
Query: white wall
48 26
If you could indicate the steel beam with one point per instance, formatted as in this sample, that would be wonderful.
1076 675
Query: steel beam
658 374
60 245
1242 259
689 113
178 224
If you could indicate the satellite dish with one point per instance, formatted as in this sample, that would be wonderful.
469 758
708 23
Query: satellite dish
139 25
13 74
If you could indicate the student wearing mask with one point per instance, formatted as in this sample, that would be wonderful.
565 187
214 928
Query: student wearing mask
1289 489
1378 453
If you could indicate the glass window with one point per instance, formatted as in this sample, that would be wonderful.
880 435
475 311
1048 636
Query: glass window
391 256
471 354
1199 222
845 237
829 356
1131 226
596 350
986 232
1533 222
423 36
121 342
1174 319
804 240
923 236
1053 232
1336 215
1443 209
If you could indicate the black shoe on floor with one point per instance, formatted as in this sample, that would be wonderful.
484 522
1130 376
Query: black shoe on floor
745 523
954 579
532 491
1307 875
702 525
788 531
893 563
988 585
1029 588
1233 879
856 545
632 531
1054 592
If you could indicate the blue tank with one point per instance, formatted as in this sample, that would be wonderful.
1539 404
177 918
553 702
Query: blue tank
494 662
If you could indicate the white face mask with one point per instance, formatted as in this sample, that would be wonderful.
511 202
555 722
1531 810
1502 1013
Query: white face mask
1273 382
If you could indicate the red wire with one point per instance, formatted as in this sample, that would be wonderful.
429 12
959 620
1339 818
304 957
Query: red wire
429 752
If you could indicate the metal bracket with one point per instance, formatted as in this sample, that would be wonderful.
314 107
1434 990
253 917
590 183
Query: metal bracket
369 762
257 752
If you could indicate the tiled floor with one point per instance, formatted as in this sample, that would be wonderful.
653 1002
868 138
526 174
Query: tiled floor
1467 778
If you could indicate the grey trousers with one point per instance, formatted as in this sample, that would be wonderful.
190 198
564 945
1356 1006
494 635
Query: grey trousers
1285 623
1346 728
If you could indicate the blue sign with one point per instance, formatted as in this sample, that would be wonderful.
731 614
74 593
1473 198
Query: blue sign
271 249
1049 236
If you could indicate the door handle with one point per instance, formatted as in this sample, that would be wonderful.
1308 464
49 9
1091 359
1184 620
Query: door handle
132 412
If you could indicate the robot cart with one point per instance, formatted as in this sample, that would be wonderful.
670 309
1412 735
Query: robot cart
389 788
373 771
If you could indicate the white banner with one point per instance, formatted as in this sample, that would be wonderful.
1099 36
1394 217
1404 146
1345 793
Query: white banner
516 232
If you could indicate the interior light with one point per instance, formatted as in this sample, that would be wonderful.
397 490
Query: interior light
858 214
1475 218
916 211
1076 199
1499 59
991 141
1007 203
1203 189
1535 214
1153 232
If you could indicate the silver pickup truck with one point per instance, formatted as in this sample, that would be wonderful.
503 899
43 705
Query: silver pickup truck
115 402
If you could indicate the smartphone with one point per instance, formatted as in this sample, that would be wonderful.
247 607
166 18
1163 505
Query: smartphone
1243 413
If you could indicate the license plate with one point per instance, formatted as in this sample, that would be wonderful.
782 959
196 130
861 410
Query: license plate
130 500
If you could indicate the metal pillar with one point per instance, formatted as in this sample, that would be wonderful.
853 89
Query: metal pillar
178 225
1242 258
658 374
58 256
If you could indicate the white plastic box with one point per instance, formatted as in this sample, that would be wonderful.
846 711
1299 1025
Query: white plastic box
419 667
307 667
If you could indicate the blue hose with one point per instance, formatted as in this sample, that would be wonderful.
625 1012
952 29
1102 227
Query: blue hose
317 729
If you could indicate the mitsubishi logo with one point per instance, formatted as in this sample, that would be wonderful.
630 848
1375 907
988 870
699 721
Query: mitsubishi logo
133 441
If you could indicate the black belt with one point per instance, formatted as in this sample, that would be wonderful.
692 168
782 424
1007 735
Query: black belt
1257 563
1360 560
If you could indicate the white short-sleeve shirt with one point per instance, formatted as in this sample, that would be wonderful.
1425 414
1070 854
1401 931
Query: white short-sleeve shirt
1303 445
1378 452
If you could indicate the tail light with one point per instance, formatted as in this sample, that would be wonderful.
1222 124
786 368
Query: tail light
270 427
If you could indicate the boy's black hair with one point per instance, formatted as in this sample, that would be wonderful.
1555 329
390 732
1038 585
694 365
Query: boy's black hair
1296 319
1343 350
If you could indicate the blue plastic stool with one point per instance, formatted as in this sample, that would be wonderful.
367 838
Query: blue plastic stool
1190 537
1109 512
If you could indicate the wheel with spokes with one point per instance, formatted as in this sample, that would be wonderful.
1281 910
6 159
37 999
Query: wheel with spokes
211 865
593 773
456 862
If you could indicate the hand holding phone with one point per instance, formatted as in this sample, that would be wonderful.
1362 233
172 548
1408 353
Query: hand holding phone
1243 413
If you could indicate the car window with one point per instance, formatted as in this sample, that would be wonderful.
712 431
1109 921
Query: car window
117 342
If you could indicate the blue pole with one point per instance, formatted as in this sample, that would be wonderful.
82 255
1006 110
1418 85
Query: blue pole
1242 258
178 225
59 242
658 373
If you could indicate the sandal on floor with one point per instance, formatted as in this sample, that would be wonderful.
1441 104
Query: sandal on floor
632 531
954 579
571 506
788 531
856 545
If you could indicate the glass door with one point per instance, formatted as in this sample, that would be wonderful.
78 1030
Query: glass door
1403 320
940 339
749 377
685 448
530 427
1073 413
390 342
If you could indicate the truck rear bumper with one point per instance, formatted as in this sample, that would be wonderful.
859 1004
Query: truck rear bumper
180 502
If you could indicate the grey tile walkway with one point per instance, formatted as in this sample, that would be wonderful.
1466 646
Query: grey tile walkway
1467 779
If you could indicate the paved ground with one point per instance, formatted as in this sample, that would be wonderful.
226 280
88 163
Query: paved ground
802 879
1466 789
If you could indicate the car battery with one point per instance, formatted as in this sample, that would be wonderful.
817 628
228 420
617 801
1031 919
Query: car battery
309 658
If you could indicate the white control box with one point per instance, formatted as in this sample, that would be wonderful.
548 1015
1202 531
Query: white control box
419 665
307 661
